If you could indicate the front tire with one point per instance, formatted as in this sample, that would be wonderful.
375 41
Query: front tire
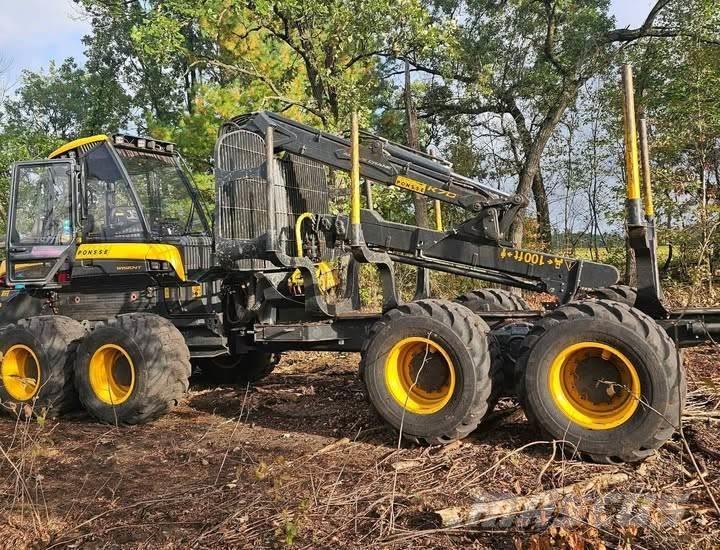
132 369
603 377
426 368
36 370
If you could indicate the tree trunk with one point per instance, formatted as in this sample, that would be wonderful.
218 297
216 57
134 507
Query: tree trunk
543 209
533 154
413 140
630 265
527 176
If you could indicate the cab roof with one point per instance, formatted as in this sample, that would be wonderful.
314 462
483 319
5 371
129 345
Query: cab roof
122 140
77 143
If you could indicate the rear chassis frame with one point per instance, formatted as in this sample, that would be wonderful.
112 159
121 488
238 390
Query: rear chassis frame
477 249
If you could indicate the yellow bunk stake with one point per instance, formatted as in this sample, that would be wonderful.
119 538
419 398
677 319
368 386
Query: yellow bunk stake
438 215
646 177
632 167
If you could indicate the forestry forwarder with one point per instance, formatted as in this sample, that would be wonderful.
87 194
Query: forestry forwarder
114 284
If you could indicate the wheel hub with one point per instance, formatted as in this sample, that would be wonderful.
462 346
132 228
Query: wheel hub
420 375
112 374
21 372
594 385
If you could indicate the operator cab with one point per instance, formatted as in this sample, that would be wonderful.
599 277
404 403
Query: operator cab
135 189
119 189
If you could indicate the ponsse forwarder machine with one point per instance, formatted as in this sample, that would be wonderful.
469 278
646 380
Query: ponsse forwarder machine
113 285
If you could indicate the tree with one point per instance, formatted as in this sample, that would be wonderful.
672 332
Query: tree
320 57
525 61
413 140
161 87
67 102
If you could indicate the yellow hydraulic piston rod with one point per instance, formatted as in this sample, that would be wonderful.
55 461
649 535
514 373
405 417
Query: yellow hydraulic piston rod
298 232
647 182
632 167
355 231
438 216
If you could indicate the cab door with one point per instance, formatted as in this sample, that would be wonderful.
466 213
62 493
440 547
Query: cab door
42 221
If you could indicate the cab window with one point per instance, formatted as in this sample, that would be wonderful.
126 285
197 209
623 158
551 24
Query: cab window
111 210
164 193
43 207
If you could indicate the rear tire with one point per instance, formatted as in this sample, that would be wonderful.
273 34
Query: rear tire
450 400
492 299
37 371
503 347
132 369
603 377
616 293
247 368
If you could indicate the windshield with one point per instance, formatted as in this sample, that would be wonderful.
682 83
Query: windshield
42 213
164 193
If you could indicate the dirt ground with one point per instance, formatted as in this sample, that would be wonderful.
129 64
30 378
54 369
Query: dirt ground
301 460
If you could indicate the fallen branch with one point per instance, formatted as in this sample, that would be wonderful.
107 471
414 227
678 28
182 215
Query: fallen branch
702 413
334 445
475 513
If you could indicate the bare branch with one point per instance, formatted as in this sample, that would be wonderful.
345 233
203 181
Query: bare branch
630 35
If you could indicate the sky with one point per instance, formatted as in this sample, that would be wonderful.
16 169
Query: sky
34 32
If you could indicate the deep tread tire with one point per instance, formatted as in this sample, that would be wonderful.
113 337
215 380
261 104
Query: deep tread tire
646 345
462 334
616 293
162 367
247 368
492 299
53 339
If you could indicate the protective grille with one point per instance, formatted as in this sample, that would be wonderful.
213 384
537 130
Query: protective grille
196 252
241 207
302 188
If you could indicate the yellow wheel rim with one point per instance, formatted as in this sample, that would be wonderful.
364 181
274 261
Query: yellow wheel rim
594 385
420 375
21 372
112 374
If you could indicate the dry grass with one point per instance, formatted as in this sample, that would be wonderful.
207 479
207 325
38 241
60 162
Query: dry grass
301 461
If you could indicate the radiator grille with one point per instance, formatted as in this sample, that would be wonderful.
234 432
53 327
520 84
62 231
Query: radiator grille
197 252
241 207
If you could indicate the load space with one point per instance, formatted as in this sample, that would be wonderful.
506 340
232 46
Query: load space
115 289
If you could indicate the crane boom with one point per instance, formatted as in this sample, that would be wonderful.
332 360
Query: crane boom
389 163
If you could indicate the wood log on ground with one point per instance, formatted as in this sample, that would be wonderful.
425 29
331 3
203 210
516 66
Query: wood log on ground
481 511
332 446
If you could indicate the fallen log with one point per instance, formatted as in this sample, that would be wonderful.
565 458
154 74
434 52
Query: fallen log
478 512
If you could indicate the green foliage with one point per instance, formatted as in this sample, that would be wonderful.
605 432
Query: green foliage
521 94
65 102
